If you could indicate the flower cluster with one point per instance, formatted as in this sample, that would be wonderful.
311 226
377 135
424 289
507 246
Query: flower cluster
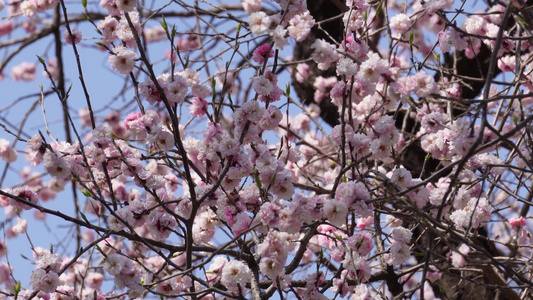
211 174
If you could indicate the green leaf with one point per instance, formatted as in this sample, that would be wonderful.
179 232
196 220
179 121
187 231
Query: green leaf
338 237
51 248
84 218
378 9
186 62
428 156
437 57
256 179
457 183
87 193
164 23
239 26
288 90
41 60
173 32
344 178
95 295
273 179
84 3
213 85
411 38
17 287
365 15
419 254
515 120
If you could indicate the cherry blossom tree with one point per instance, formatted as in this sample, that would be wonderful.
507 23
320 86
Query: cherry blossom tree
262 149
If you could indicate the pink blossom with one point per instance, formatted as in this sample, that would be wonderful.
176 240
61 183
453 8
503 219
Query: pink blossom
335 212
261 53
108 27
253 111
114 263
402 178
149 90
450 37
24 193
190 42
94 280
425 84
477 212
111 6
283 186
176 90
399 253
49 261
400 24
302 72
152 34
324 54
6 27
259 22
76 36
159 224
271 118
124 31
358 48
362 292
261 85
432 6
44 281
433 274
204 227
346 67
372 68
401 234
126 5
198 107
475 25
30 7
279 36
361 242
24 71
20 227
251 6
507 63
353 18
459 257
517 222
420 194
7 153
300 26
122 59
233 273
